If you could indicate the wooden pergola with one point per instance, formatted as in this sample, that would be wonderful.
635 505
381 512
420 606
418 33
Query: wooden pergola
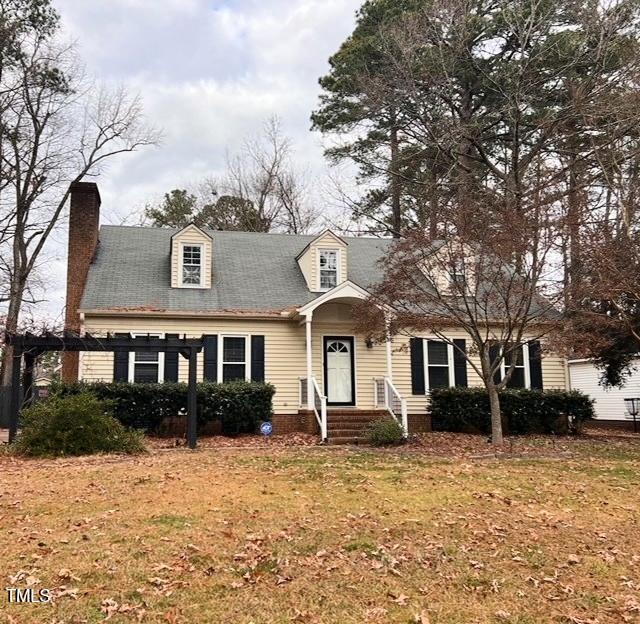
30 346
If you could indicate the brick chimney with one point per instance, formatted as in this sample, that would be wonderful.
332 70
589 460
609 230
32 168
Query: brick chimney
84 221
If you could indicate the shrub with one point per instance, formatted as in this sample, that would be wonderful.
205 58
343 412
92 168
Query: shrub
524 411
74 425
384 432
239 406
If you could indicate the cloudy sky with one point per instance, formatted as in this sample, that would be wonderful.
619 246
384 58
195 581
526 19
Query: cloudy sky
210 72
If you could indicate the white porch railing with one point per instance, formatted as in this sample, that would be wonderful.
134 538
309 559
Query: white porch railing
386 395
319 404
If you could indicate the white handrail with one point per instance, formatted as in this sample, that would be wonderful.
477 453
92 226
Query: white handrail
396 405
320 408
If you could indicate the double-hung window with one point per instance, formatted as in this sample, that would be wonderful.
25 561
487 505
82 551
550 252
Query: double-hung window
521 377
328 269
457 275
438 368
146 366
192 265
234 359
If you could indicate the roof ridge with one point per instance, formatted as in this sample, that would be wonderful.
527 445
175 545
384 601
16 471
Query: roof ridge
242 232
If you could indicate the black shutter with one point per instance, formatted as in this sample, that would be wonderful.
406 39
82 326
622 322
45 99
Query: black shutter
171 363
460 363
494 352
121 363
257 358
417 366
211 358
535 365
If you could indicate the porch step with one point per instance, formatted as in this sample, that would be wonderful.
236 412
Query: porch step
346 440
348 426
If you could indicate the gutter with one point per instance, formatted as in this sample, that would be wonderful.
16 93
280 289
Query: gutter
276 315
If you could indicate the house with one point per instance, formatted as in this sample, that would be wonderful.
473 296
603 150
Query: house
610 408
273 307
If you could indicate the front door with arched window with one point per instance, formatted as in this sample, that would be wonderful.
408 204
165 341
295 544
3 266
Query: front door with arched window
339 374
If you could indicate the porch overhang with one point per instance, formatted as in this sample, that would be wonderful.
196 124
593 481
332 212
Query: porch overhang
346 291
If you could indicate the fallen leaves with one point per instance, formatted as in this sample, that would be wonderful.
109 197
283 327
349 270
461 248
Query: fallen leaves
317 535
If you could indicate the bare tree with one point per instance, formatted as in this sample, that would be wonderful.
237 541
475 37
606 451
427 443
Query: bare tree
56 130
263 173
467 281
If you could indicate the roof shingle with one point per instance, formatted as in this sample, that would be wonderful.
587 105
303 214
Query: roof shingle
251 271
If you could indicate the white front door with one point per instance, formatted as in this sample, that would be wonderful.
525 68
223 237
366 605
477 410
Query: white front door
339 379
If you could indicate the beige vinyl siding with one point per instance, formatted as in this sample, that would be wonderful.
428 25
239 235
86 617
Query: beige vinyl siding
285 353
305 262
191 236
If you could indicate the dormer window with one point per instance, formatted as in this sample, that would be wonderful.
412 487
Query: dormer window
192 265
457 275
328 269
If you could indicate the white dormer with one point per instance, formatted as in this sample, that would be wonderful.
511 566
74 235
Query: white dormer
323 262
191 258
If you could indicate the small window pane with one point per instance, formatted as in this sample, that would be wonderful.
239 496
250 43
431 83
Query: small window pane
191 274
508 357
146 356
328 260
438 377
234 350
233 372
328 279
438 352
145 373
517 378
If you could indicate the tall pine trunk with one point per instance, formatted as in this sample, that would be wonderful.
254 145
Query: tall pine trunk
396 186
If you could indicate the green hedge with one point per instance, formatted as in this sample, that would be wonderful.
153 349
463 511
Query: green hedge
239 406
78 424
523 411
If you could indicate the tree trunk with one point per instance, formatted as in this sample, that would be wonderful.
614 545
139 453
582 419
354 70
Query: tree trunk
433 207
574 223
494 397
396 189
496 415
11 326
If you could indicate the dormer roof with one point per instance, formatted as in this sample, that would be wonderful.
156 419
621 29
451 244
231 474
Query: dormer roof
338 239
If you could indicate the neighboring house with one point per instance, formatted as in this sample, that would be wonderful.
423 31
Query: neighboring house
609 406
273 307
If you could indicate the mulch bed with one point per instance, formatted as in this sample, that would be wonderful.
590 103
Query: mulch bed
243 441
435 444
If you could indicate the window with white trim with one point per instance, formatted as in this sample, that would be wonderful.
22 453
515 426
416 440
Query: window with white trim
146 366
328 269
438 364
457 274
192 265
234 359
521 376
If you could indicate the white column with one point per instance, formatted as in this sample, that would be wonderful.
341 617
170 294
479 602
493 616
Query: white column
389 354
310 391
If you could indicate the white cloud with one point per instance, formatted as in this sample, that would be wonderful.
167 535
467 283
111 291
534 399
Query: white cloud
210 72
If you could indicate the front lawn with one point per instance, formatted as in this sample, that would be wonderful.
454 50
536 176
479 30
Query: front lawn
328 535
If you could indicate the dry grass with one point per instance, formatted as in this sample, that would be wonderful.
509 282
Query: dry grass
327 535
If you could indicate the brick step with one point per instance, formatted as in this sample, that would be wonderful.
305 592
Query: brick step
340 412
346 433
348 426
346 440
355 417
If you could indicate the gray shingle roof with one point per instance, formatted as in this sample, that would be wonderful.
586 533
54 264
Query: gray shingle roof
251 271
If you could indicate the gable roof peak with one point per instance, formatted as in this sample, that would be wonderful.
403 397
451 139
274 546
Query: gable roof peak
338 239
191 225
